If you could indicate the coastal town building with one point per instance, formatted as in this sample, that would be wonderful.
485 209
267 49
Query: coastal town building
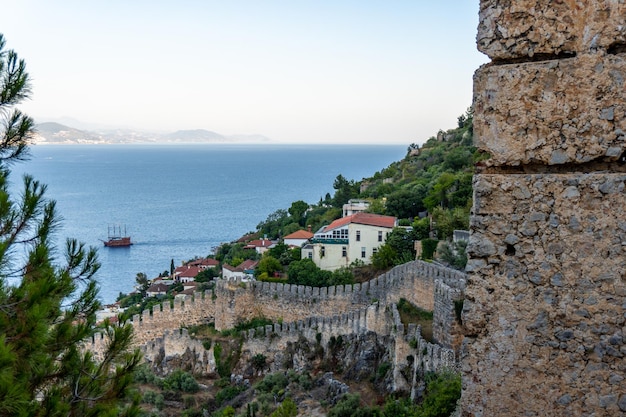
204 263
354 206
186 273
156 290
245 270
297 238
348 239
260 245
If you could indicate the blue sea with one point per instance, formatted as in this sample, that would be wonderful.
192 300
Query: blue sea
180 202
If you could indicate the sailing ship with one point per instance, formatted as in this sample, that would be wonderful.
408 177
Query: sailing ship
116 238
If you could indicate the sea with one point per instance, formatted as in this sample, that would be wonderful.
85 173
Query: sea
178 202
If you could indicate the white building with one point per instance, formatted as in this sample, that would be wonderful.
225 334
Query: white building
297 238
351 238
355 206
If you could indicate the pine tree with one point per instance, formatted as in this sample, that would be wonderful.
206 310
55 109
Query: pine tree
48 307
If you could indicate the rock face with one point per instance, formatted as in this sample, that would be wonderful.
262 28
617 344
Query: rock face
544 315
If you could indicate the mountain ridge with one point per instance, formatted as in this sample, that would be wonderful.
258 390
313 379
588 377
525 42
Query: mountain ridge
58 133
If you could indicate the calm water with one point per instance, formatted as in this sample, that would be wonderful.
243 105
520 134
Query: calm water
178 202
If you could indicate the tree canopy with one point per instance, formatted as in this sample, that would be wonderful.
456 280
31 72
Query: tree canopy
48 309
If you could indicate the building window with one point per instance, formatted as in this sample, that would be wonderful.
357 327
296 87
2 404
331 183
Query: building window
380 235
374 251
344 251
358 235
363 250
322 251
310 255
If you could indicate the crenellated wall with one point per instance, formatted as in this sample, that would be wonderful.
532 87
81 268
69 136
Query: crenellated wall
544 315
411 356
414 281
361 310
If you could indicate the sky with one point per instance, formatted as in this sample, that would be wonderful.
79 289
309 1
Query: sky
296 71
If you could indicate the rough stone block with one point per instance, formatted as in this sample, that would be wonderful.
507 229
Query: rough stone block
552 112
544 308
527 28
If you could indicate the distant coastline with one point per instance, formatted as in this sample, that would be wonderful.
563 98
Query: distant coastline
52 133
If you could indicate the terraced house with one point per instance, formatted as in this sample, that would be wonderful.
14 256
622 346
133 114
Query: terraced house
350 238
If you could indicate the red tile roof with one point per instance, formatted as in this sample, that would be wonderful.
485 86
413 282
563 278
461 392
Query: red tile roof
207 262
300 234
259 243
369 219
244 266
190 272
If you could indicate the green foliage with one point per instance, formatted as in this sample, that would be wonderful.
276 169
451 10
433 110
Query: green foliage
406 203
398 249
384 258
421 228
350 406
48 310
447 221
298 210
227 411
286 409
273 383
429 246
305 272
410 310
273 225
234 253
228 393
268 265
206 275
180 380
442 393
344 191
453 254
142 283
258 361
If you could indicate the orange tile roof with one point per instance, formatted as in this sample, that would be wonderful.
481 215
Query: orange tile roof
299 234
369 219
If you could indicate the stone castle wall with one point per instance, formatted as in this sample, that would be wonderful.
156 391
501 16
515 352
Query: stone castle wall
544 321
415 281
336 310
411 356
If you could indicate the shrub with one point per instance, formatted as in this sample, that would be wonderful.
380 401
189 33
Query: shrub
180 380
228 393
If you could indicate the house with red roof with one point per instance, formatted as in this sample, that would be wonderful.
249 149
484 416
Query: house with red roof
297 238
350 238
243 270
155 290
260 245
204 263
186 273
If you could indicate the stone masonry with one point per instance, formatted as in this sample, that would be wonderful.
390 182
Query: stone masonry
545 309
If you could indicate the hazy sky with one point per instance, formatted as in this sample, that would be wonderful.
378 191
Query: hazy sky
337 71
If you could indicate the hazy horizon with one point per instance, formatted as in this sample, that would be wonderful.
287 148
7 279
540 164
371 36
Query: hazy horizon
306 72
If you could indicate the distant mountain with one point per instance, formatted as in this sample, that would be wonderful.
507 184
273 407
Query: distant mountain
57 133
52 132
195 136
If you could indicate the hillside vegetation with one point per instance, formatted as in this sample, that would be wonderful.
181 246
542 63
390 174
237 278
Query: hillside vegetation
430 189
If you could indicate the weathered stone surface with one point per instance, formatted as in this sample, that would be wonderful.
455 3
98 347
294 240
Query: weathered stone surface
545 322
525 28
552 112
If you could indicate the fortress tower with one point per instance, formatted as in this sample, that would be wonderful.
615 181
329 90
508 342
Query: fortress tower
545 308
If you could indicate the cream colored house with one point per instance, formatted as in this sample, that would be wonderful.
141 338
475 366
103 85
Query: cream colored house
348 239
